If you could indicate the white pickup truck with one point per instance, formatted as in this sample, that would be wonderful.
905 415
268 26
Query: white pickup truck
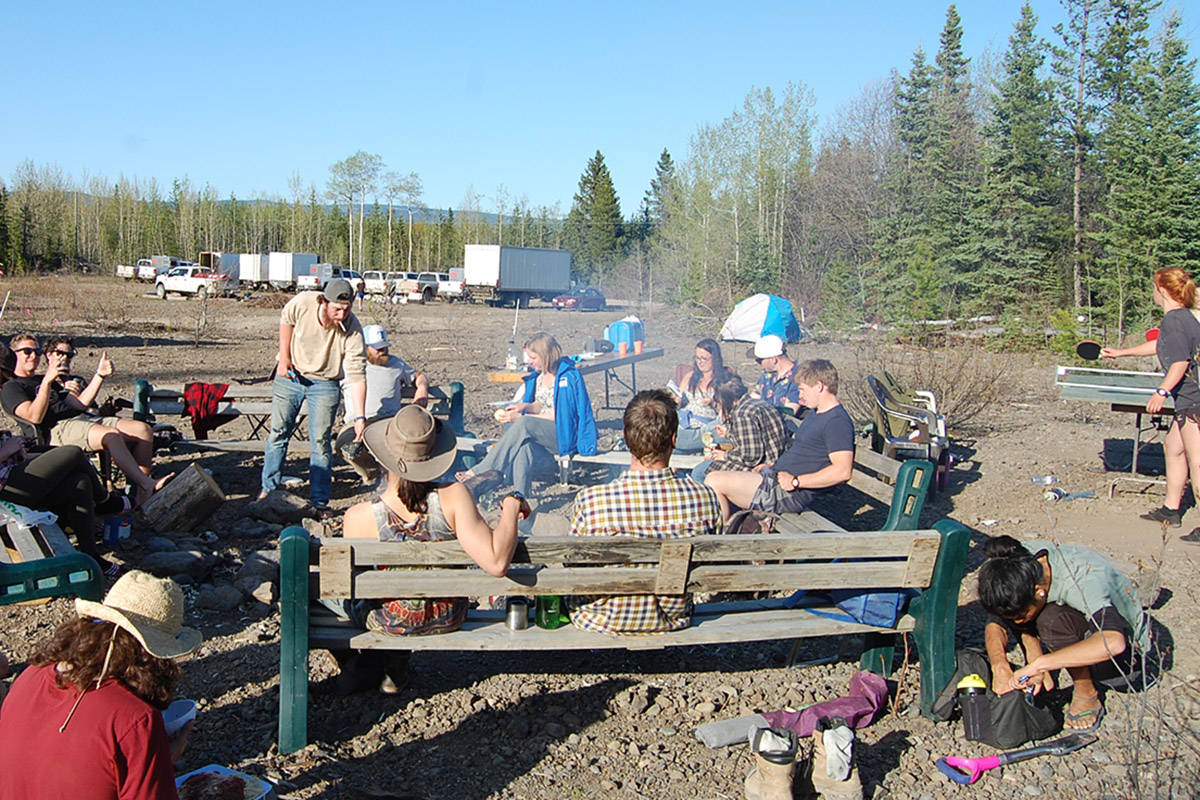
450 285
191 279
375 282
145 270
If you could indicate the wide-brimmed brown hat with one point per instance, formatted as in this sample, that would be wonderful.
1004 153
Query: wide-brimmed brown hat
413 444
150 608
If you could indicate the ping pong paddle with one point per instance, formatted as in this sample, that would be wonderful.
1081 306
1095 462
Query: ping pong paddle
1152 335
1088 350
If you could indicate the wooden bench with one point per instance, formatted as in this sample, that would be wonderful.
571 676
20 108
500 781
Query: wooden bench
930 562
252 402
38 561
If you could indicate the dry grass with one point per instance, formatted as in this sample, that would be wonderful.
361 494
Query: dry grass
965 377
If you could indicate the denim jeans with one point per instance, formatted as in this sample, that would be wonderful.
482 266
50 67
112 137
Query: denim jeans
691 440
526 444
323 398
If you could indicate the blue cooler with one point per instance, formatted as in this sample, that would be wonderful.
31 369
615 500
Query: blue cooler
626 330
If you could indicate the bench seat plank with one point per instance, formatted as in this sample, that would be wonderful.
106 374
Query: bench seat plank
487 631
798 542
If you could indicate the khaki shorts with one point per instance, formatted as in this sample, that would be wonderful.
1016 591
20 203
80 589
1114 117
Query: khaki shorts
75 430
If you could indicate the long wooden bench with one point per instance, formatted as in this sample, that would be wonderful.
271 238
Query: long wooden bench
37 561
252 402
930 562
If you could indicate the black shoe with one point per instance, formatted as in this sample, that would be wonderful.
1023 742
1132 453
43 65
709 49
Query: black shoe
1192 538
323 513
361 672
1170 516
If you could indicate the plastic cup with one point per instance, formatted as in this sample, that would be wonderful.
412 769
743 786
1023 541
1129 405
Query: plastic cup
637 347
623 349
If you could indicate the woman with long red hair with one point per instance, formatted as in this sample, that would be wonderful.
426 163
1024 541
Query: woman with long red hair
1176 347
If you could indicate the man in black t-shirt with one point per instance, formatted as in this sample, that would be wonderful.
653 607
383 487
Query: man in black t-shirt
50 414
821 454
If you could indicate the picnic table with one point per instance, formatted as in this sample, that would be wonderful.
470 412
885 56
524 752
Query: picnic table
1126 392
608 363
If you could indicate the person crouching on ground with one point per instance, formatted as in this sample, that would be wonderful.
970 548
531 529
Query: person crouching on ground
1071 609
417 450
50 414
647 502
820 456
84 719
554 417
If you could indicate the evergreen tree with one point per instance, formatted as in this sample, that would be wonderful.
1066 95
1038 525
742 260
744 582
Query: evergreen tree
953 238
1020 192
5 239
655 200
593 228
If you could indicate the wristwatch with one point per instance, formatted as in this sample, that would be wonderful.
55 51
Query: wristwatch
795 481
1162 392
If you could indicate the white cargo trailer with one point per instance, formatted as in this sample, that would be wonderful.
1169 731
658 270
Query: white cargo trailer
282 268
252 268
514 275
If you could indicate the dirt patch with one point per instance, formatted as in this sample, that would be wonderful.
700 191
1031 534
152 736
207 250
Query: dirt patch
616 724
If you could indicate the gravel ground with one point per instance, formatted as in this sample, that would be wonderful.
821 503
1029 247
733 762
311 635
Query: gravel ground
609 724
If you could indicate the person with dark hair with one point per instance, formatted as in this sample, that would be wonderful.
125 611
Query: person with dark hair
51 415
1071 609
754 431
416 450
61 480
698 413
821 454
1176 347
84 719
555 417
647 502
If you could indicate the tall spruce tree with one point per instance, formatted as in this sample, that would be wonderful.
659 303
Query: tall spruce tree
955 167
661 185
593 230
1021 195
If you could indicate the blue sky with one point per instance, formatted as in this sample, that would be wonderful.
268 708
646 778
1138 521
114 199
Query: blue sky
518 95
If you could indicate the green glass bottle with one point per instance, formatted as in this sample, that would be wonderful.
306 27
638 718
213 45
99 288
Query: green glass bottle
550 612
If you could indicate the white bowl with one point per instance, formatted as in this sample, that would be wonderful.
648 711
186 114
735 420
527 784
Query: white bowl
178 714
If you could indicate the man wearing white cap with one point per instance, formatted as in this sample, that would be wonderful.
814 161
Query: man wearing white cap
387 378
776 385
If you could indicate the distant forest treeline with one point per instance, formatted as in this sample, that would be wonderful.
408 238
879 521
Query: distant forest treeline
1057 176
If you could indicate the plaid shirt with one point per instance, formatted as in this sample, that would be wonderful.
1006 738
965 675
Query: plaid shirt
647 505
758 433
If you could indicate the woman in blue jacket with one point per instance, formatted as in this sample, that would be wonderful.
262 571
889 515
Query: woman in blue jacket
554 417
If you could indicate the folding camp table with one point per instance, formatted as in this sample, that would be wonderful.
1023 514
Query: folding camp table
1125 391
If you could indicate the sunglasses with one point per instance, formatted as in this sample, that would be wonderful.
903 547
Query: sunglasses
28 350
65 353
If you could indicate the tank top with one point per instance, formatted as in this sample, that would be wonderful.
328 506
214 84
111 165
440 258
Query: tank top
417 615
544 395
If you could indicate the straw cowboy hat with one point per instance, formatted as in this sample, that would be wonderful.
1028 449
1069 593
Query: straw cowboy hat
412 444
150 608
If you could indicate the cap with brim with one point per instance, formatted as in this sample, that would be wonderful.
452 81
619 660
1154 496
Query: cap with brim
339 290
375 336
413 444
149 608
768 346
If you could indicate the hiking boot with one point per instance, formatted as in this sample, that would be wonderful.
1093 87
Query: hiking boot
1192 538
1167 516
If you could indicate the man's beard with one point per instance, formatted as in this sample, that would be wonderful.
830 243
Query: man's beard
379 357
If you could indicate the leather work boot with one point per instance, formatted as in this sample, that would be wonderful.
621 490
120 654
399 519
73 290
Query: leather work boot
826 787
771 776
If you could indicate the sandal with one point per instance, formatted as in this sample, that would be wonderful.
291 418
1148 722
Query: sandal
1068 717
464 476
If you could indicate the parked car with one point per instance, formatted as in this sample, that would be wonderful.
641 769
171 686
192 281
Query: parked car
580 300
190 279
426 288
375 281
450 285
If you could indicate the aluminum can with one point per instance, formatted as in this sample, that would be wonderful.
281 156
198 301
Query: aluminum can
516 613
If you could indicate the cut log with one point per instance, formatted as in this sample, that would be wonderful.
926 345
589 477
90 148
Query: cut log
190 498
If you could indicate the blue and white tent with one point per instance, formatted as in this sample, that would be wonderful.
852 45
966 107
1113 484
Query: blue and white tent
758 315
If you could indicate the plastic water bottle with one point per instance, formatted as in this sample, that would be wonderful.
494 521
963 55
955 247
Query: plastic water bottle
1044 480
513 361
1056 494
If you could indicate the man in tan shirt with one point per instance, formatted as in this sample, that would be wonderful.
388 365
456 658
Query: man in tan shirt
320 343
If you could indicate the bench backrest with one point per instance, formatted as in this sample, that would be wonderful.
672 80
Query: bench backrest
615 566
150 400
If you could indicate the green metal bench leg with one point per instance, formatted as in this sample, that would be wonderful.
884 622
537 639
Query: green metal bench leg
878 651
935 612
293 640
141 401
